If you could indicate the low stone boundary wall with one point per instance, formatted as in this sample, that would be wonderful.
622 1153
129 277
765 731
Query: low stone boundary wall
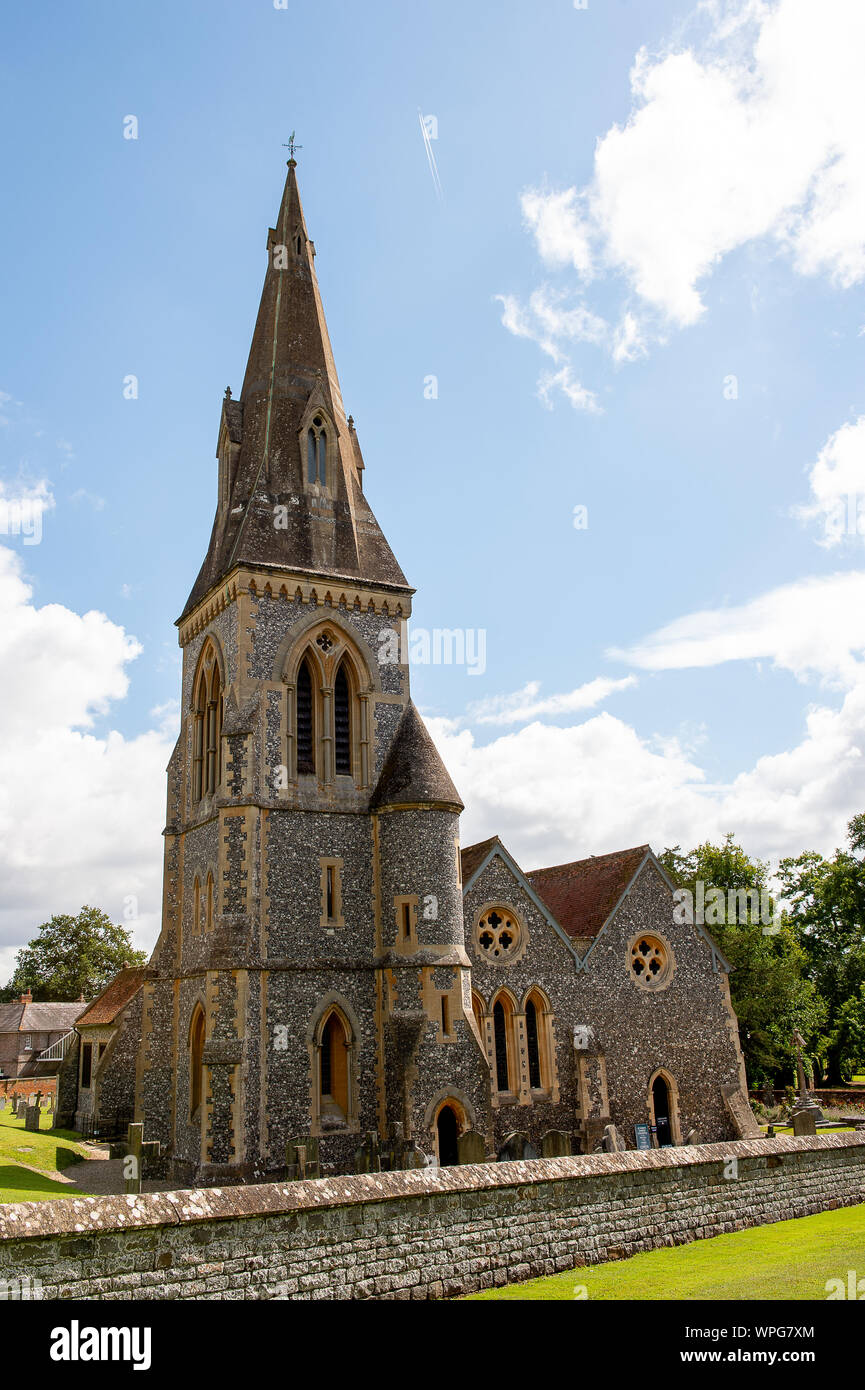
420 1234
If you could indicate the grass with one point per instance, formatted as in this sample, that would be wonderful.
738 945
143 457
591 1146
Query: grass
49 1150
786 1260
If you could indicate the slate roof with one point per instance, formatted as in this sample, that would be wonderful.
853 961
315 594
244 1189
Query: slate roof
115 996
291 368
10 1017
413 771
582 895
50 1018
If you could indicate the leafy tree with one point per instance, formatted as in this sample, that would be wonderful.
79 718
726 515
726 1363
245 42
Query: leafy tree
827 906
768 986
73 956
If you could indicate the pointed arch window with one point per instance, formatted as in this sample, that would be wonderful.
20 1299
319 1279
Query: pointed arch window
206 728
208 916
502 1026
197 1033
305 720
316 452
342 723
533 1045
196 907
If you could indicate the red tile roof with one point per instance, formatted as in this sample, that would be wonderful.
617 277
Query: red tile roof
582 895
473 856
114 997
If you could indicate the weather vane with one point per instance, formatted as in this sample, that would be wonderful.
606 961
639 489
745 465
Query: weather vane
291 146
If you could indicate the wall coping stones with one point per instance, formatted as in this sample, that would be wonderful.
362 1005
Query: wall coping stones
81 1215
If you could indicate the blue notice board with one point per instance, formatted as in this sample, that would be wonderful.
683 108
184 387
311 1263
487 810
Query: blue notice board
644 1138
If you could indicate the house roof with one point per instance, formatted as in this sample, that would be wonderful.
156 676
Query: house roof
582 895
50 1018
39 1018
114 997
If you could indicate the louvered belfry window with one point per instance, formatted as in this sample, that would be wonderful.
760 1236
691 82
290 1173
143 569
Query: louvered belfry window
342 723
305 748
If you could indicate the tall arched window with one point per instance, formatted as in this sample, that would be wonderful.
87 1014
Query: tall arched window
196 907
207 727
342 723
305 720
532 1045
196 1059
334 1078
208 916
501 1028
316 452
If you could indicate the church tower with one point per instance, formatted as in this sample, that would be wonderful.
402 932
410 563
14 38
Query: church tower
310 982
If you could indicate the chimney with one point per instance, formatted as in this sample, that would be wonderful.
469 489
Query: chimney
27 998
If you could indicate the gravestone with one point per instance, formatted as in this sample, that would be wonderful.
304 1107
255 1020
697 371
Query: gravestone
556 1143
367 1157
3 1103
471 1147
516 1148
611 1142
31 1117
302 1158
740 1113
693 1137
21 1108
805 1121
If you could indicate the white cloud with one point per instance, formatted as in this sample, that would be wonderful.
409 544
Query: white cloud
838 485
525 704
754 132
813 627
81 815
580 397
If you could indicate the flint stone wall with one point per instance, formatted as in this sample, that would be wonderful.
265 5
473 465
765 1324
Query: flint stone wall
420 1234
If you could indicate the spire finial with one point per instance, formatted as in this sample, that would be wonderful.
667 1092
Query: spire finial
291 146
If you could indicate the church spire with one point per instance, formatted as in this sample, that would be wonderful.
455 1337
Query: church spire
290 466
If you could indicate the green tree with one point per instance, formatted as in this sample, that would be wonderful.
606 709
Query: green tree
827 906
769 988
71 956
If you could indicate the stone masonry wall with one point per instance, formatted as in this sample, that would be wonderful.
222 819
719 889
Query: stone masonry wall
419 1234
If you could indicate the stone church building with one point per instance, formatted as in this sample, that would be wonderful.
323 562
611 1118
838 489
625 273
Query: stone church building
333 970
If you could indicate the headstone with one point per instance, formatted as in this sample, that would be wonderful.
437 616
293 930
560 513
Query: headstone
556 1143
805 1121
471 1147
693 1137
3 1103
740 1112
302 1158
21 1108
643 1136
132 1162
516 1148
367 1157
31 1117
611 1141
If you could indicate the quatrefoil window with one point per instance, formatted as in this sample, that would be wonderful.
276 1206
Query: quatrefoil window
498 934
325 641
650 961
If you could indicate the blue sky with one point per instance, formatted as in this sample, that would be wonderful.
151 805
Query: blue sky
638 205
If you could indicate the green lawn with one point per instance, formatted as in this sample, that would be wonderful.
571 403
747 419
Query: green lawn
787 1260
49 1150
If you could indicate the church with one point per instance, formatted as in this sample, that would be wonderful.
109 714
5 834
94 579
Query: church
336 977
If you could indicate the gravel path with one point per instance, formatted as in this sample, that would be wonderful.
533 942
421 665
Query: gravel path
103 1177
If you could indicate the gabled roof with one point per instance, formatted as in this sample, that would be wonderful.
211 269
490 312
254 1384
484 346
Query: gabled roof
49 1018
413 772
582 895
474 860
10 1017
114 997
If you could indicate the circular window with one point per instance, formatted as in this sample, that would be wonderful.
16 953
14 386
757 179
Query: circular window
498 935
650 961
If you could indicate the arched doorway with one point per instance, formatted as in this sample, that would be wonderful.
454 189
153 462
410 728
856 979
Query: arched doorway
447 1128
661 1104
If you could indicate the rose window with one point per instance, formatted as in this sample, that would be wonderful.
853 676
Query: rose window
649 961
498 934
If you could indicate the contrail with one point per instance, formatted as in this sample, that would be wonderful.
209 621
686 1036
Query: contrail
431 159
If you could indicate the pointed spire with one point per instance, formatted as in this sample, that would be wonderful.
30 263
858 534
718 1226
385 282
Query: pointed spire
287 501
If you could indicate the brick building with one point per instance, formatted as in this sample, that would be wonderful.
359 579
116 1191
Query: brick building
331 965
27 1030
